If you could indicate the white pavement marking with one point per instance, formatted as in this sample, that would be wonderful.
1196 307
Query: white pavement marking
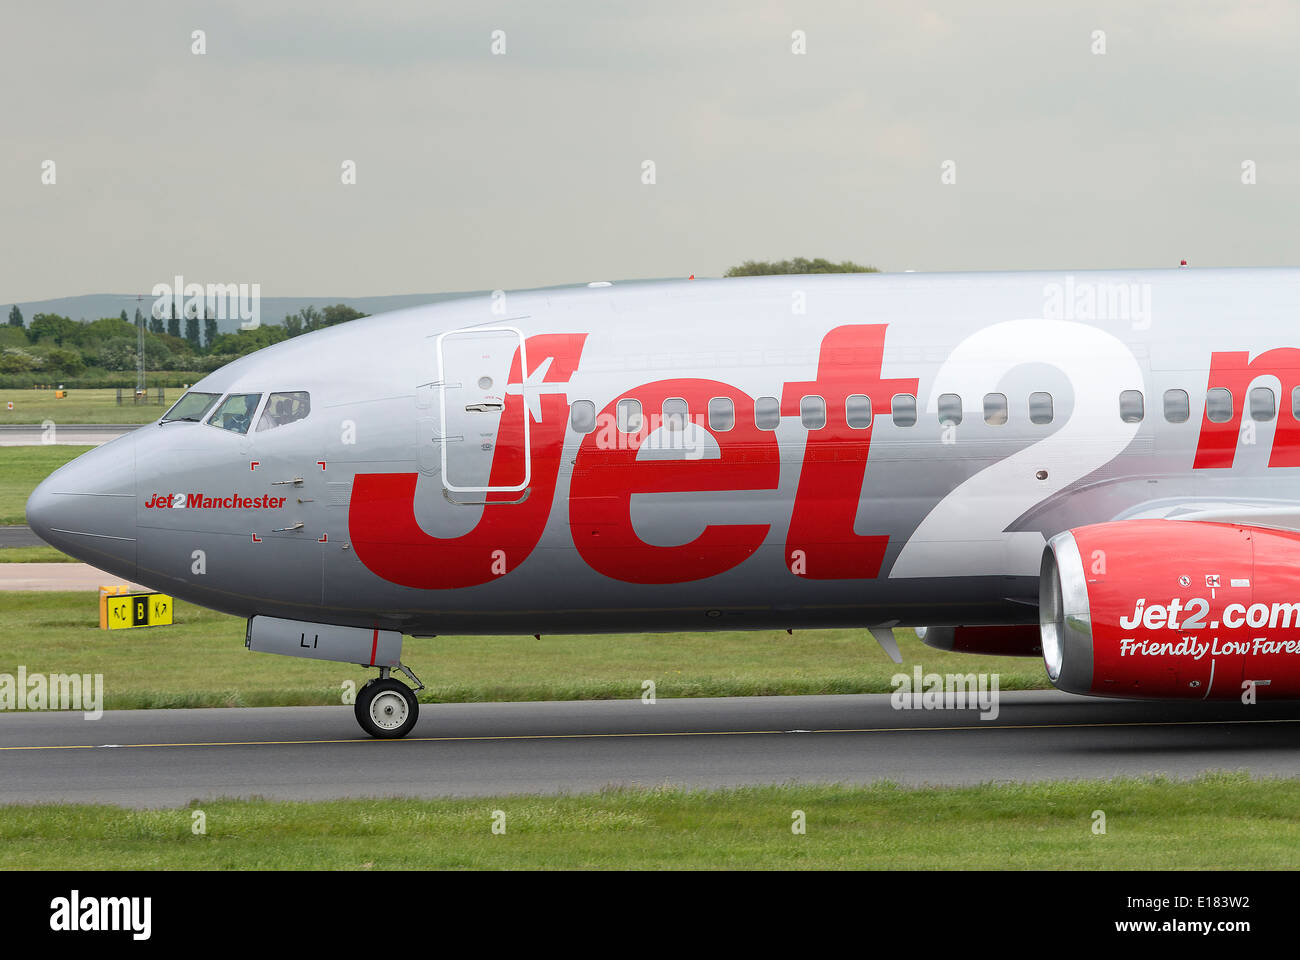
23 435
55 576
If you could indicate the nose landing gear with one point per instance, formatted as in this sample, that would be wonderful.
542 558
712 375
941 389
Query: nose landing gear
387 708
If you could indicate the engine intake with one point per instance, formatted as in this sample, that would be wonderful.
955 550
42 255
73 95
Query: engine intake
1172 609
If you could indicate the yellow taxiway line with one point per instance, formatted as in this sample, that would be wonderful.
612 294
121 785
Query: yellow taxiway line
633 735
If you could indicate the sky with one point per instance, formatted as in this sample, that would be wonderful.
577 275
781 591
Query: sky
1071 136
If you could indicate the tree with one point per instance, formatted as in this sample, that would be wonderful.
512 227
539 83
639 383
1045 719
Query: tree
175 344
54 327
192 332
63 360
156 354
155 324
293 324
242 342
17 361
125 320
209 331
15 316
311 318
117 354
106 328
340 313
173 321
799 265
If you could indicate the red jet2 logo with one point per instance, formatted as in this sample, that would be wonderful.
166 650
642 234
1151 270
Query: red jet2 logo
821 543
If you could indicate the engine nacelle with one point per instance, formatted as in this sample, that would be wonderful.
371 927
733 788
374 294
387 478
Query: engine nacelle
1017 640
1172 609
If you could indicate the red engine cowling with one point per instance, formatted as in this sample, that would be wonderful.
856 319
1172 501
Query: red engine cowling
1172 609
1016 640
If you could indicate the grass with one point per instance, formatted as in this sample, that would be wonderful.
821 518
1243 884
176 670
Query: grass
22 468
82 406
201 661
1218 821
34 555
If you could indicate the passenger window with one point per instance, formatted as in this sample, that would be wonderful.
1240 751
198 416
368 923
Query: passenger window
767 413
1177 406
582 416
1040 407
1131 408
812 411
236 412
1218 405
995 409
857 410
282 408
675 413
191 408
949 409
629 416
903 408
722 414
1263 405
1295 403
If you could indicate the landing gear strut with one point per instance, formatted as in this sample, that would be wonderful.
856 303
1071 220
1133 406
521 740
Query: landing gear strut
387 708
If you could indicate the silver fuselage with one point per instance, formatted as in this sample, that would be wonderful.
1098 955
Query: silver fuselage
693 524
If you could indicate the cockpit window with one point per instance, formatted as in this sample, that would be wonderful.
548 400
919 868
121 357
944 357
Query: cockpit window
236 412
192 407
284 408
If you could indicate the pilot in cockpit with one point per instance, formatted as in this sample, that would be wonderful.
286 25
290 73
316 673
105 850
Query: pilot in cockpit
282 408
279 410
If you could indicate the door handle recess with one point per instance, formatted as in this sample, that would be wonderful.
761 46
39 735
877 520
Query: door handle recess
486 503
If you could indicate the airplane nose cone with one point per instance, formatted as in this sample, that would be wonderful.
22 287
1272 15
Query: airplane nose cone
86 508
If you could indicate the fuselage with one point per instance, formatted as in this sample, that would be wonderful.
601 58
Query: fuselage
783 452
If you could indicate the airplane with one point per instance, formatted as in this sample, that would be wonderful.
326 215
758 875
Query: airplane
1101 468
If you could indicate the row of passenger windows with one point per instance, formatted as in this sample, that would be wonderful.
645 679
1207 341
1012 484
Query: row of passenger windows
236 412
1261 402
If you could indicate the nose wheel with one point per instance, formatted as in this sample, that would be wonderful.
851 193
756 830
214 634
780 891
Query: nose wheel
387 708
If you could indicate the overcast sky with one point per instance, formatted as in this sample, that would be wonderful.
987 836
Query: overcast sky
479 171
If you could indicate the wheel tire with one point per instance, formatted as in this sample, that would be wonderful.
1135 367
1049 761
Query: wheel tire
387 709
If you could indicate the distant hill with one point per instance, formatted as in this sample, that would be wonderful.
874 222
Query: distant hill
95 305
